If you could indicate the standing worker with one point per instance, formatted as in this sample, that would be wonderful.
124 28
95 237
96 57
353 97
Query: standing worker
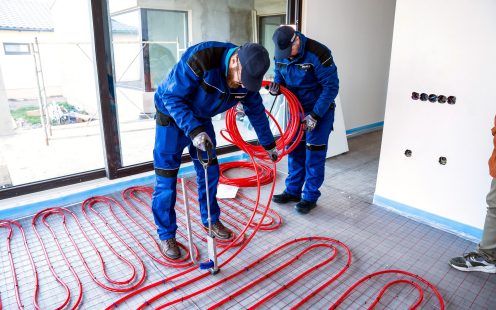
484 258
210 78
307 69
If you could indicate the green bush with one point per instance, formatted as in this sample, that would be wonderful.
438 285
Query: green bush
70 108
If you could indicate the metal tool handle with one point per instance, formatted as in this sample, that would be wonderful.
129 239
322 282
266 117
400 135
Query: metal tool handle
212 248
188 222
209 148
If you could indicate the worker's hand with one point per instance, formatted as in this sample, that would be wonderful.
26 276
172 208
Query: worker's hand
273 154
309 123
202 141
274 89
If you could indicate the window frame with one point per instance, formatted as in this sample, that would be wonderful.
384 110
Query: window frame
5 44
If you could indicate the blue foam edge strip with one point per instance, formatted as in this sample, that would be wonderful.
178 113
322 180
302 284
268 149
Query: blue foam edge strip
462 230
33 208
366 127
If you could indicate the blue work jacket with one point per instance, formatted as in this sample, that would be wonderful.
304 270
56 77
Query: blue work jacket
311 75
196 89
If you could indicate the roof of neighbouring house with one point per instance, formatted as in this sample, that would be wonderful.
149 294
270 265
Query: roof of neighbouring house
35 15
25 15
122 28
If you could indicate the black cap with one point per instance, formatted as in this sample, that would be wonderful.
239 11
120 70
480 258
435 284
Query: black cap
283 38
255 61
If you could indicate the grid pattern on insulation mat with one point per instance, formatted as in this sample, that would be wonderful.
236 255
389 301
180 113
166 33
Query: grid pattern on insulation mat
52 294
378 240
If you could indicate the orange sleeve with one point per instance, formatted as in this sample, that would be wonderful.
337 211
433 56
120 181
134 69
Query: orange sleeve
492 160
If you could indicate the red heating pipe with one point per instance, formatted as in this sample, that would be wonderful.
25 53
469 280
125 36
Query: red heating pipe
381 293
288 140
44 214
8 225
133 278
292 133
265 173
109 202
132 192
273 222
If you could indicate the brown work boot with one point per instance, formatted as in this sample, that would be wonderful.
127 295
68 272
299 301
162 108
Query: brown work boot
170 248
220 231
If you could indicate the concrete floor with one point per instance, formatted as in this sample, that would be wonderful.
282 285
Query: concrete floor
378 240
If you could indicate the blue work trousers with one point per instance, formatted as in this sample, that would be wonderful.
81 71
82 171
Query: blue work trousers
170 142
306 163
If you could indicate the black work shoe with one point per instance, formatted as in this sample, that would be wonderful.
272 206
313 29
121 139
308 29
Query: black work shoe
220 231
473 261
305 206
170 248
285 198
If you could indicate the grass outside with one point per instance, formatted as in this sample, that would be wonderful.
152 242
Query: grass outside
22 113
61 109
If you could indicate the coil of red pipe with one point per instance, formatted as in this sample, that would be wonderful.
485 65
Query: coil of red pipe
288 139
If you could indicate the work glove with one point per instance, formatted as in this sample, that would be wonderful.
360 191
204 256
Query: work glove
274 89
309 123
273 154
202 141
240 110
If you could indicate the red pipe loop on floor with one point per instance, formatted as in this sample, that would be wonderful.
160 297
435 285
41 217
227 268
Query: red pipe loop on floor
203 274
132 194
242 202
8 224
388 285
119 286
289 139
109 202
44 214
265 174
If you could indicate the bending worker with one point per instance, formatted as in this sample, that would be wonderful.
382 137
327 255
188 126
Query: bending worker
307 69
210 78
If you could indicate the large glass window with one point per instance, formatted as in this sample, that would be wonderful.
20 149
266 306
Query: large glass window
162 30
164 47
49 125
267 25
56 85
147 43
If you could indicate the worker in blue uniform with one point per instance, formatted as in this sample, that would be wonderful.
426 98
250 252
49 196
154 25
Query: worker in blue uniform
306 67
210 78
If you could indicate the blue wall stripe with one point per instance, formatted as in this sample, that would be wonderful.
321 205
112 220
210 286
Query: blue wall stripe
366 127
465 231
33 208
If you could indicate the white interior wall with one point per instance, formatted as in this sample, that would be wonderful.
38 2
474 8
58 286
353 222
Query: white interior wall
442 47
359 34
